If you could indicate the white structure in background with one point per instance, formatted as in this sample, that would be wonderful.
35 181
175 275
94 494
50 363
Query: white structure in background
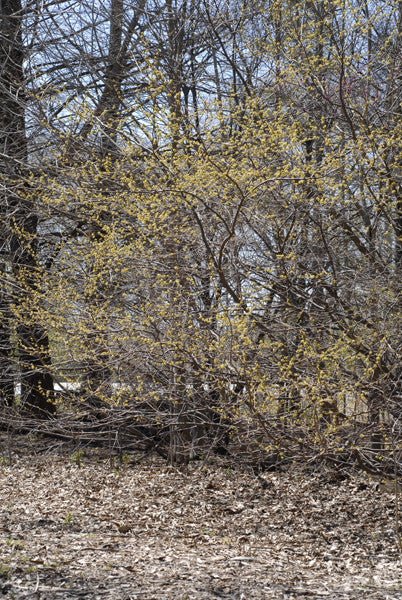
58 387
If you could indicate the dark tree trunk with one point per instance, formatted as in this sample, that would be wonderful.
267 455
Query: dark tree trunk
19 230
6 349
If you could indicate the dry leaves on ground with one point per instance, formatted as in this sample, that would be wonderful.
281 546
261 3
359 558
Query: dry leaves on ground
154 532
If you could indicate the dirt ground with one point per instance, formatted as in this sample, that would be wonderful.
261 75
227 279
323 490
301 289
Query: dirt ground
81 527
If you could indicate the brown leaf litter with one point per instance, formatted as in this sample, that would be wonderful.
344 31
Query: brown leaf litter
91 531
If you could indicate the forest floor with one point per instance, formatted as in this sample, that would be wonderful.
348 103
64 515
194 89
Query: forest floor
84 527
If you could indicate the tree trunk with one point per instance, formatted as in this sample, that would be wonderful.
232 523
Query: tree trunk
20 222
6 349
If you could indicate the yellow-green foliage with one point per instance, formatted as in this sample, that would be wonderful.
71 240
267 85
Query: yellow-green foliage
258 253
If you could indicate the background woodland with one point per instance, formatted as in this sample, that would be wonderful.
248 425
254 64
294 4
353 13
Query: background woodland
200 226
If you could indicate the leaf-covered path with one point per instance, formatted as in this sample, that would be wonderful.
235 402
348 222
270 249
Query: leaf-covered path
154 532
